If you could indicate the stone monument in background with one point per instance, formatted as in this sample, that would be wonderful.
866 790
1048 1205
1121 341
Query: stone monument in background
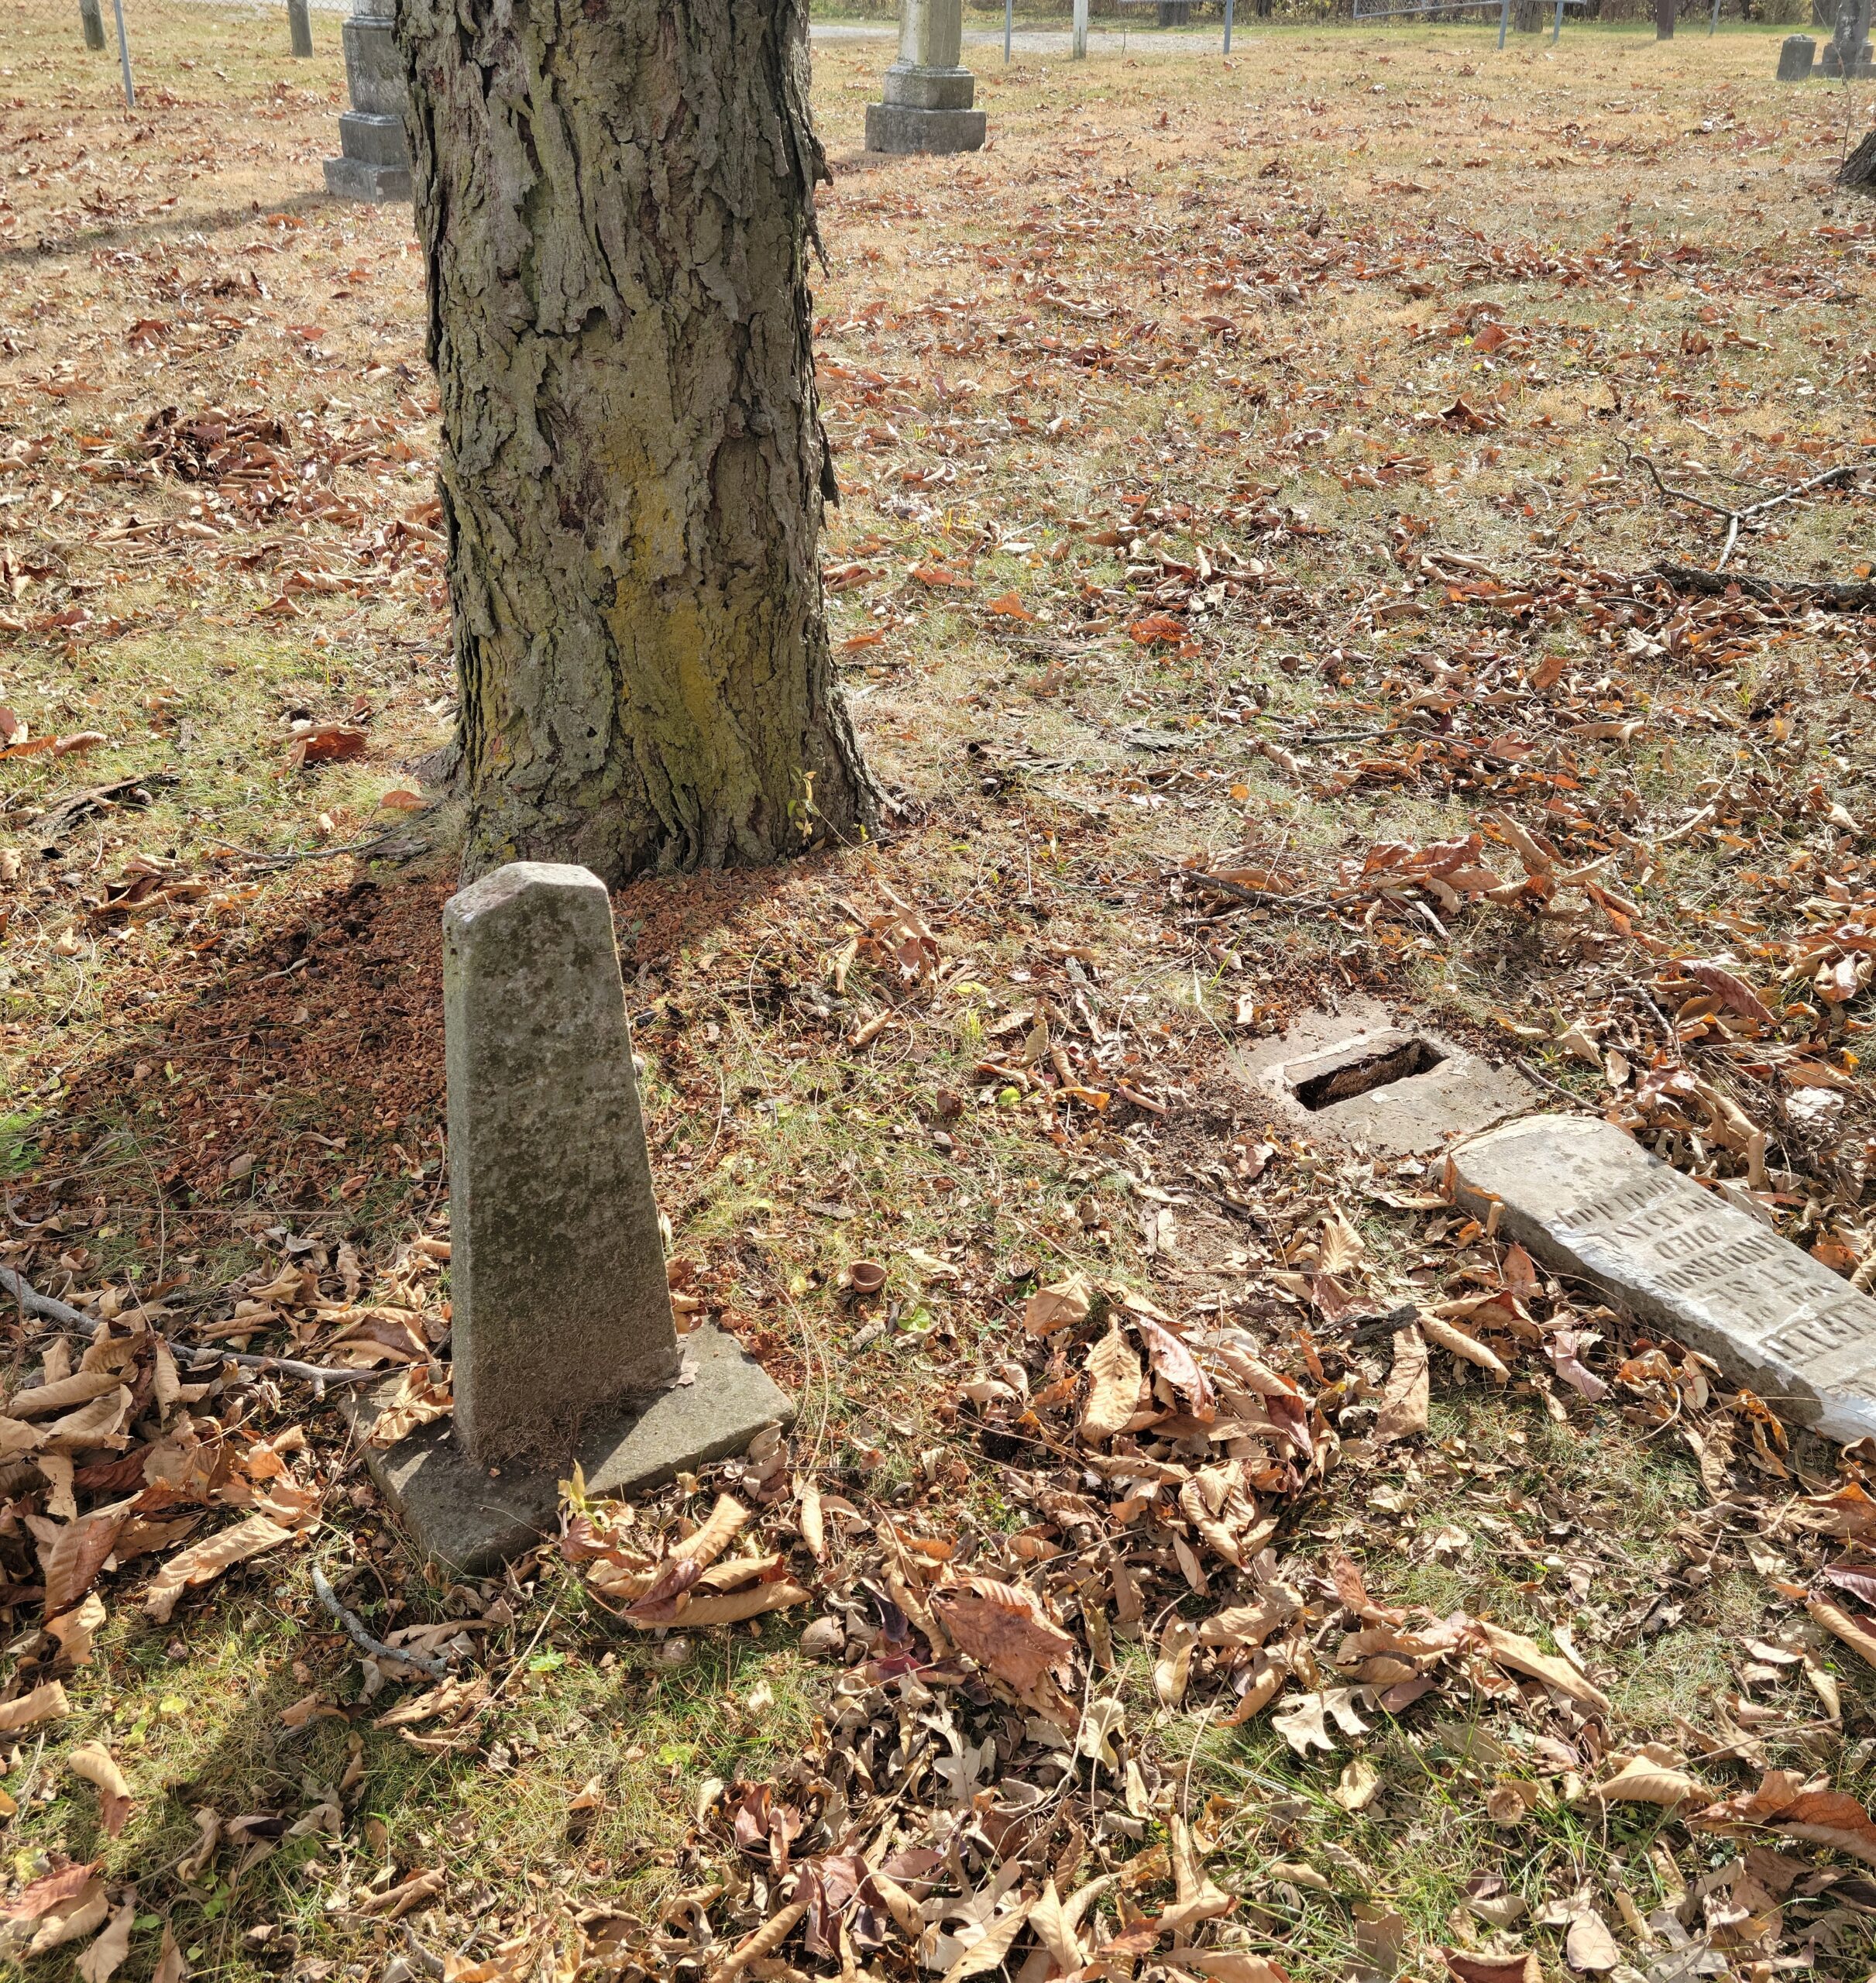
564 1346
1847 53
929 93
375 160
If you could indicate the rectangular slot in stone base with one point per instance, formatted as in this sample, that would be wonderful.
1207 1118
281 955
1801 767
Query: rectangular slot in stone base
458 1515
1356 1078
1391 1064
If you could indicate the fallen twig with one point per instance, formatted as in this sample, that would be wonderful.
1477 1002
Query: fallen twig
261 863
424 1662
48 1310
1735 518
1242 891
1833 594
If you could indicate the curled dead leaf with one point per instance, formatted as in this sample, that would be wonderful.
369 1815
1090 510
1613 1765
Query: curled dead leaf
93 1762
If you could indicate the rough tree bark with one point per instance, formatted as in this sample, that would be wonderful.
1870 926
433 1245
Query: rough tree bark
1664 19
616 201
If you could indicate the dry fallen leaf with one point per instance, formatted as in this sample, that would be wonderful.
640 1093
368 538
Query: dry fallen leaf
1360 1785
170 1966
1059 1306
71 1919
1114 1387
1004 1629
45 1703
1654 1777
106 1957
1588 1945
1404 1401
1523 1655
93 1762
203 1562
1467 1968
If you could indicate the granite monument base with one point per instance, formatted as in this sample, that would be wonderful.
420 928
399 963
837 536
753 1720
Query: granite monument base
359 179
901 129
461 1516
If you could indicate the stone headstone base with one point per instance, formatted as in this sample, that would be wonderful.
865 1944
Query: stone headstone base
457 1516
1356 1078
898 128
359 179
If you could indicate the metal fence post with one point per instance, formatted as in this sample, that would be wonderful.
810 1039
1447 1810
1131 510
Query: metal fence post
1228 7
1504 20
1714 21
1077 40
1009 28
123 50
1557 25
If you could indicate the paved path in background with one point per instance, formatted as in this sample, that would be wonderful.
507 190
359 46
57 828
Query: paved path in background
1026 41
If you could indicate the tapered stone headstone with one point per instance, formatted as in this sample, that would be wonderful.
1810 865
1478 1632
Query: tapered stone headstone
1589 1202
1797 54
560 1307
561 1321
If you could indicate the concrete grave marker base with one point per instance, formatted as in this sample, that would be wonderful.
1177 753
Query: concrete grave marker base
1587 1200
456 1515
1358 1078
900 129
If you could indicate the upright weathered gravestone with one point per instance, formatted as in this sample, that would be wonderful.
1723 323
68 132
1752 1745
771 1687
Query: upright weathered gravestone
1797 53
1847 52
1589 1202
300 27
91 18
559 1304
928 92
564 1344
375 159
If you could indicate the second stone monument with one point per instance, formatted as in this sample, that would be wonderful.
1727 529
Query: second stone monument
565 1348
374 160
928 92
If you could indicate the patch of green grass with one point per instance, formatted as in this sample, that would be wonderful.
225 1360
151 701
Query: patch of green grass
19 1142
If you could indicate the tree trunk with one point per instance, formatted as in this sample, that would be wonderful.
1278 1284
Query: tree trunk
616 202
1664 20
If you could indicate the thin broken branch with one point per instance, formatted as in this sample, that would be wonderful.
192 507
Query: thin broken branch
1735 518
1833 594
49 1310
424 1662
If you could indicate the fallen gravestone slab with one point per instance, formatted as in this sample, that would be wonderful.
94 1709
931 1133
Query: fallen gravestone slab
563 1341
1587 1200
